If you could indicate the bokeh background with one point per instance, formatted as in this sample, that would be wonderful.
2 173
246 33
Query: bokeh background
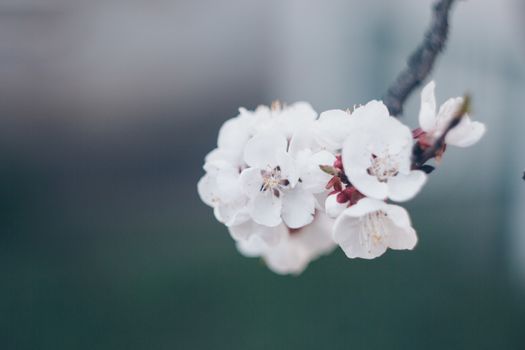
107 109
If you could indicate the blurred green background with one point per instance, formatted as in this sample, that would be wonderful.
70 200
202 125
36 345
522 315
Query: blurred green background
107 110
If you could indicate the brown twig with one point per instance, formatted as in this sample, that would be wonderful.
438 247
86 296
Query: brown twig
422 59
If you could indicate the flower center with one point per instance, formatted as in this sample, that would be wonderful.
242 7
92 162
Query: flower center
273 181
383 167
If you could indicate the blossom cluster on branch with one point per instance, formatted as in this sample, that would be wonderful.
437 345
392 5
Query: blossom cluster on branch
291 185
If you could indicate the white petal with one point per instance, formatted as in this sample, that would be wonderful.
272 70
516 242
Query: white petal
291 118
427 111
265 209
228 185
299 112
205 188
365 206
356 153
288 167
261 150
313 178
332 207
402 239
215 154
271 236
251 181
332 128
316 237
403 187
252 247
466 133
234 212
397 136
402 235
234 133
446 113
298 208
303 138
398 215
287 259
373 109
216 165
368 185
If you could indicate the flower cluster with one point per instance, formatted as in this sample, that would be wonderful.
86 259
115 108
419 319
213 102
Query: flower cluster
291 185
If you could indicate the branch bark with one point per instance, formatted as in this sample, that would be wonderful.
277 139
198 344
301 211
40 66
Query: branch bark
422 59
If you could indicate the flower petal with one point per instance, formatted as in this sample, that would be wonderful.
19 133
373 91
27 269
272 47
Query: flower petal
332 128
364 206
368 185
228 185
288 167
298 207
234 133
427 111
312 177
446 112
398 215
302 139
252 247
466 133
205 188
402 238
261 150
234 212
271 236
287 259
332 207
250 181
403 187
300 112
265 209
373 109
402 235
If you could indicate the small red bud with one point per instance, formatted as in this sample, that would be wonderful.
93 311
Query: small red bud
424 141
342 197
338 163
337 185
416 133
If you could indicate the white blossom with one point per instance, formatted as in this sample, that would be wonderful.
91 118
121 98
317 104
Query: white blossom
377 155
296 248
465 134
281 187
366 229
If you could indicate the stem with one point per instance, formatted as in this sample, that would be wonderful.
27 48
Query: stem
422 59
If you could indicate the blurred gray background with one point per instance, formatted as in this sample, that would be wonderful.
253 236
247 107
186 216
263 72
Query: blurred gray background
107 109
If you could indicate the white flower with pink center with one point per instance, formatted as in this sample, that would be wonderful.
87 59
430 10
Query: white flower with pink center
367 229
377 155
281 187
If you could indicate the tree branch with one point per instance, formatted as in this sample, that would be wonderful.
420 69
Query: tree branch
422 59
